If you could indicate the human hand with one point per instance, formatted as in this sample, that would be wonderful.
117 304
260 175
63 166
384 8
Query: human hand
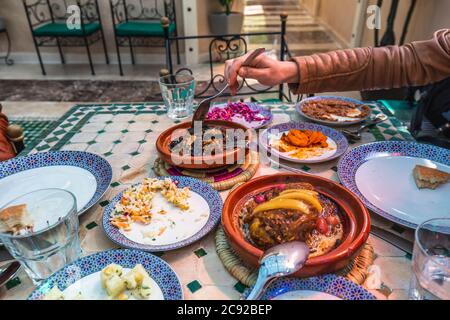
265 70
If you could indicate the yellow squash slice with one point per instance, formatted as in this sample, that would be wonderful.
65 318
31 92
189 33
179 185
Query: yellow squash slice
312 200
310 192
289 204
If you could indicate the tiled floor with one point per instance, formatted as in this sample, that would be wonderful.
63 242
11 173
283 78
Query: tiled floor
304 34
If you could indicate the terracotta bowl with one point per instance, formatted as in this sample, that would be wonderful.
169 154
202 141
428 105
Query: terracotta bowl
356 221
199 162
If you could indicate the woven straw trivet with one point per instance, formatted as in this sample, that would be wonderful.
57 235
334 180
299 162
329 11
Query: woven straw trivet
248 170
356 271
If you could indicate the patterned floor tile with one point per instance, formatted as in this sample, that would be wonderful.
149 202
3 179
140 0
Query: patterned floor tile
396 272
115 127
110 137
200 252
194 286
123 118
75 147
134 136
384 249
216 293
102 118
126 148
183 260
99 148
399 295
83 137
140 161
139 126
144 118
93 127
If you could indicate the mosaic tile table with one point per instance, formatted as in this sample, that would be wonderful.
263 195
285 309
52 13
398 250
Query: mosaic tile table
125 135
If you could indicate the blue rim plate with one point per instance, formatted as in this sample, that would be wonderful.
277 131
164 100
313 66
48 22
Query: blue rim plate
96 165
355 158
330 123
211 196
336 136
263 111
330 284
159 270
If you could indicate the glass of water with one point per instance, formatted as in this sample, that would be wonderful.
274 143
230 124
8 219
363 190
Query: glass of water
178 95
431 261
52 241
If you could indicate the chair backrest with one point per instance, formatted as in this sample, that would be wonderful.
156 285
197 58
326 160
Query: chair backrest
40 12
125 10
228 45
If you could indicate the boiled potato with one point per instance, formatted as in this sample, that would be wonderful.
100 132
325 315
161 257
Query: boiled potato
114 286
109 271
54 294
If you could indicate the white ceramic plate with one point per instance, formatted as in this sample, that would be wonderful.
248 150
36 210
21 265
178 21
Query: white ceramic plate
179 225
305 295
90 288
323 287
336 141
380 174
392 188
83 276
340 121
318 155
84 174
77 180
180 228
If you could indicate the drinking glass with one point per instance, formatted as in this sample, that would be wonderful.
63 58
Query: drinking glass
431 261
178 95
53 241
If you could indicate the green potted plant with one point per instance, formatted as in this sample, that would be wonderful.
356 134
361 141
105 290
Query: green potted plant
227 21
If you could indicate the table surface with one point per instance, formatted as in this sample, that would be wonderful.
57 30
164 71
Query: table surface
125 135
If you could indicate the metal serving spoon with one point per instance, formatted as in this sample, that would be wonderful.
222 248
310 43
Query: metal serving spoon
279 261
356 134
204 105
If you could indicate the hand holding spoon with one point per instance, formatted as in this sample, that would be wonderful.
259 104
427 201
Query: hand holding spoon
204 105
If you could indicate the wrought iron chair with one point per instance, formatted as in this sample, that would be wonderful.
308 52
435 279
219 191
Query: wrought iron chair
137 24
47 21
228 45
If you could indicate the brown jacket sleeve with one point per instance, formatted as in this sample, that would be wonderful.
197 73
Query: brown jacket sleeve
6 149
417 63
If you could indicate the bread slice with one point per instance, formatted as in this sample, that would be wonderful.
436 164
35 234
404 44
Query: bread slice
15 219
429 178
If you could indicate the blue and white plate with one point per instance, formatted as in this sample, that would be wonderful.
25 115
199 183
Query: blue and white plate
337 142
325 287
83 276
170 227
86 175
381 175
262 112
339 121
